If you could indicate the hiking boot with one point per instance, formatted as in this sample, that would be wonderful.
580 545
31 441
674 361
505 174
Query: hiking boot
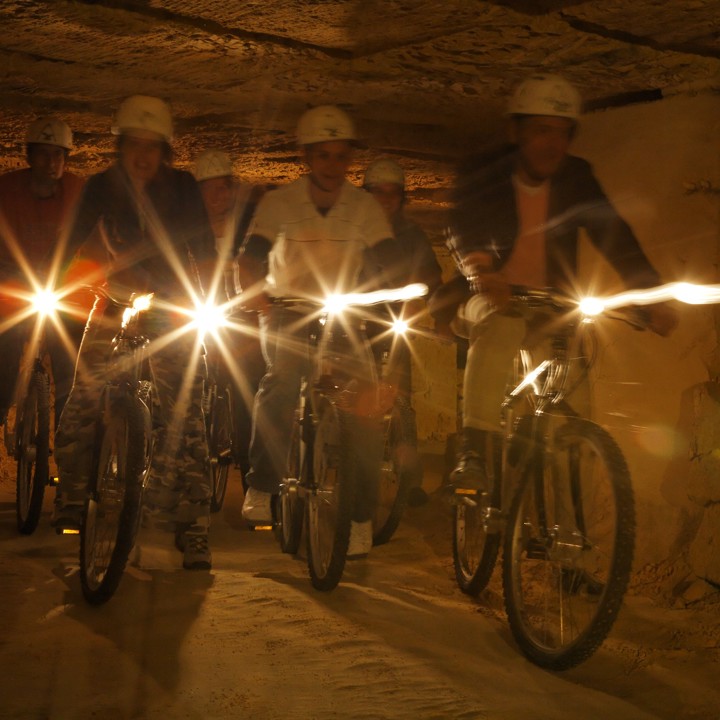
196 551
469 477
257 507
360 540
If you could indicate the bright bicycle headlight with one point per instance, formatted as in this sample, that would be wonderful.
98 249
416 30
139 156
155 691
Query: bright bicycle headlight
45 302
208 318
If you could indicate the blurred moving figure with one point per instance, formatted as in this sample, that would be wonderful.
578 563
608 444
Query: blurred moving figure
517 221
149 221
230 207
37 204
308 239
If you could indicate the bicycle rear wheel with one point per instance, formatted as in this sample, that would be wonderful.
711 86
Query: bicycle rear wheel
112 510
397 473
290 505
476 540
220 445
569 546
32 451
329 505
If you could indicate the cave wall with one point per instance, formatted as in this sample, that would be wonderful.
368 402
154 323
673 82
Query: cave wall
660 397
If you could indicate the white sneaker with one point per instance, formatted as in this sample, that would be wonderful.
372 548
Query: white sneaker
360 540
257 507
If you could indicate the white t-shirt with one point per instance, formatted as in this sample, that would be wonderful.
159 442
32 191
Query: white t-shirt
312 254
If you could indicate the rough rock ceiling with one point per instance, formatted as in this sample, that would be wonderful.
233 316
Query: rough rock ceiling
425 79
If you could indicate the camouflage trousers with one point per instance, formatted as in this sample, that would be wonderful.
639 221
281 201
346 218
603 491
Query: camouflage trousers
179 486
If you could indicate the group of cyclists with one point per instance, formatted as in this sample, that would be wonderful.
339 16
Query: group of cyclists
143 226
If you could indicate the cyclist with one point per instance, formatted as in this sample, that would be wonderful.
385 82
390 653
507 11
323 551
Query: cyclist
230 207
36 206
385 180
516 221
308 239
148 219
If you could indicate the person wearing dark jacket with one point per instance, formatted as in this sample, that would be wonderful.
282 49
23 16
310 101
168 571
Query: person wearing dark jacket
384 179
148 223
516 221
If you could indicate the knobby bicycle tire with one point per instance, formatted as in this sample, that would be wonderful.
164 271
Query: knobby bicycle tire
329 505
32 450
475 550
399 466
568 545
112 510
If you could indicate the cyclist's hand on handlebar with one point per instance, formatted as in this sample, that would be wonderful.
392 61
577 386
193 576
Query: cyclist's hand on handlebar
476 263
495 288
662 318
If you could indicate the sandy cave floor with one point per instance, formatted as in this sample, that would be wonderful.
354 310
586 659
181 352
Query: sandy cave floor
396 639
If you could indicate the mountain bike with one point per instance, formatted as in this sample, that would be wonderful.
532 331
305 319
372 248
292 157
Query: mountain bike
28 439
121 458
336 440
400 462
559 491
218 407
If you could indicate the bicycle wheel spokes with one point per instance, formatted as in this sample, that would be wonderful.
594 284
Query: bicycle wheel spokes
220 448
399 465
112 510
569 547
476 532
32 451
290 503
329 505
105 508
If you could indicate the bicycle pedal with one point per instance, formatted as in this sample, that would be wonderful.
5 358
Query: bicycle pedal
535 549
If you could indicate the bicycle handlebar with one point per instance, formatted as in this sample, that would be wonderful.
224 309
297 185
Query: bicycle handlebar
635 316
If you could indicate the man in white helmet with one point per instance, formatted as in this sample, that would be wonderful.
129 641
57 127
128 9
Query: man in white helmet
308 239
230 207
517 221
149 222
36 206
384 179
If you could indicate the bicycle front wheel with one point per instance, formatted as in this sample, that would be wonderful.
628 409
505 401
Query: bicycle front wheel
220 445
329 504
569 546
32 451
399 465
476 531
112 510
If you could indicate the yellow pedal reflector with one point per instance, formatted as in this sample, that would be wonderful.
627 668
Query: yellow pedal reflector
54 480
262 527
70 531
465 491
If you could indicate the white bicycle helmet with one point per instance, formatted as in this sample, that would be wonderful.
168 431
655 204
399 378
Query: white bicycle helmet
546 95
144 114
324 123
49 131
212 164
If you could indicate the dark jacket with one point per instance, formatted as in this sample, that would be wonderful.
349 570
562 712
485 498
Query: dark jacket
137 239
418 261
485 218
